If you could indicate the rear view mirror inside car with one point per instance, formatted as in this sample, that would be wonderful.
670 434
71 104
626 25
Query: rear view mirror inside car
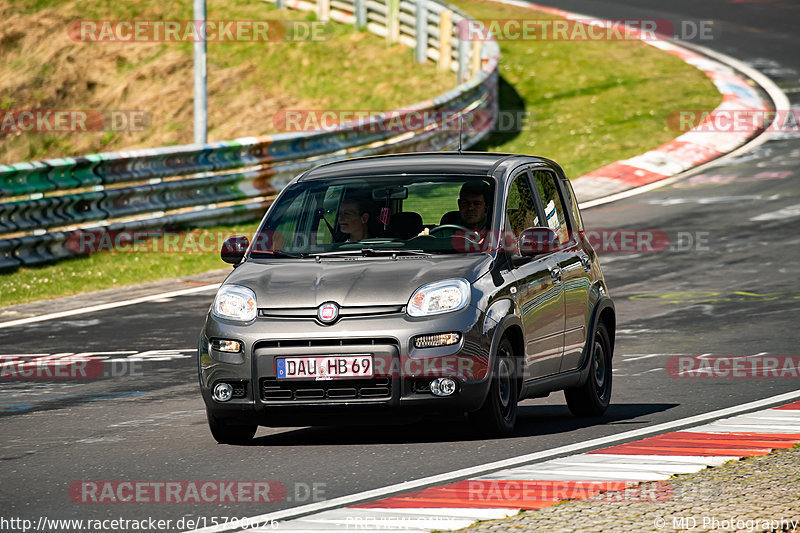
391 193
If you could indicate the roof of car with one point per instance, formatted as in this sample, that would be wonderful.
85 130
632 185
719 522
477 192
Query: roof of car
474 163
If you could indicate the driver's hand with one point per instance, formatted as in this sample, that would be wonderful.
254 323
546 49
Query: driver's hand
425 231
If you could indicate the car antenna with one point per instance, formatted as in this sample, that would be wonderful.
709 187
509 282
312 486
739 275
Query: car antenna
459 134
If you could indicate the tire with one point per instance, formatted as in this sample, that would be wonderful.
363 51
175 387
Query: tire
592 398
231 431
498 415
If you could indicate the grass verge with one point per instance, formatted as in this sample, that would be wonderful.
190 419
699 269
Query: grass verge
107 270
248 81
591 103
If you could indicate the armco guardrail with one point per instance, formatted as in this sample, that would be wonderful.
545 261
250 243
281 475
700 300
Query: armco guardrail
43 203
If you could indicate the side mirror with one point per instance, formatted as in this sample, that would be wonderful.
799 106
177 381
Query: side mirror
233 249
538 240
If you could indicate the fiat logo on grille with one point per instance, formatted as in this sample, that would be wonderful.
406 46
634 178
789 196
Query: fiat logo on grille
328 312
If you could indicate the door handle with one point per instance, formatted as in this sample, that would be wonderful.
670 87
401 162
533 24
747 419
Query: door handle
555 273
586 262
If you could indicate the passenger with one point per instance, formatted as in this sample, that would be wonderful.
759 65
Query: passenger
354 218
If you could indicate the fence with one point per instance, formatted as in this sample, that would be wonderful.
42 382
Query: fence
43 202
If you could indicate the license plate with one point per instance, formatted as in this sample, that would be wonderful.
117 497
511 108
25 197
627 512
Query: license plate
325 367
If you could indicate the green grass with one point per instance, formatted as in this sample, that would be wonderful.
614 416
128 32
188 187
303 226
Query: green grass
591 103
106 270
248 81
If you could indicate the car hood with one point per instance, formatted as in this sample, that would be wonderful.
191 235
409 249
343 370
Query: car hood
280 283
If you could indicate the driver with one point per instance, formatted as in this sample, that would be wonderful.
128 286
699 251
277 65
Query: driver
354 217
473 205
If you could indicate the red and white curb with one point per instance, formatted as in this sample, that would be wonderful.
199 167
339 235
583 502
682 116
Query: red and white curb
694 147
612 469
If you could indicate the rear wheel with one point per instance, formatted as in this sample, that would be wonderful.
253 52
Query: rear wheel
231 431
498 414
593 397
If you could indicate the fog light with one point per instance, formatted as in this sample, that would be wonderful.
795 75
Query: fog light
443 386
223 392
222 345
441 339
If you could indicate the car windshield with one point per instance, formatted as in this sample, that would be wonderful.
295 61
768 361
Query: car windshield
379 215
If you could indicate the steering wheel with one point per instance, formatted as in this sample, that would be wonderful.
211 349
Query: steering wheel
445 227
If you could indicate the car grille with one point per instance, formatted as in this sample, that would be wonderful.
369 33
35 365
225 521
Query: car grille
320 343
273 390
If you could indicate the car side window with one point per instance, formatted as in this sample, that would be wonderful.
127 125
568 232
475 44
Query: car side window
554 210
520 206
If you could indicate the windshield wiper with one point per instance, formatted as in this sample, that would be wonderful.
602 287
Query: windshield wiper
397 251
276 253
370 252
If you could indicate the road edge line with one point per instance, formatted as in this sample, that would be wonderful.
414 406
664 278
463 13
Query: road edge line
105 306
342 501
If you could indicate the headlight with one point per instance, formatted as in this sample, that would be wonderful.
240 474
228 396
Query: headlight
439 297
235 302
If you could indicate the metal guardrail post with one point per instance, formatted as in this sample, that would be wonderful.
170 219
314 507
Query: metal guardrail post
475 58
200 75
393 21
445 34
360 13
323 10
463 59
421 31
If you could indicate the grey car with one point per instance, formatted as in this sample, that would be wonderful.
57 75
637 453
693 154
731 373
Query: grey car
384 288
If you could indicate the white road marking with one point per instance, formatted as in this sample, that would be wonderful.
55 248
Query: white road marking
505 463
776 421
382 520
711 199
787 212
111 305
638 356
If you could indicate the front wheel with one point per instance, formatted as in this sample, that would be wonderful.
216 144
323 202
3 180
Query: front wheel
498 414
592 398
227 431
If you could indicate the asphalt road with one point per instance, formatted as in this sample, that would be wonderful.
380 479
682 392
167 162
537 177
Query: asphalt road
732 291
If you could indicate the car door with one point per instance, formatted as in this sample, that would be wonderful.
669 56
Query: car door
573 264
539 293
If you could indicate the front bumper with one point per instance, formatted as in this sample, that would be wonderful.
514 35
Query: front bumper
398 390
